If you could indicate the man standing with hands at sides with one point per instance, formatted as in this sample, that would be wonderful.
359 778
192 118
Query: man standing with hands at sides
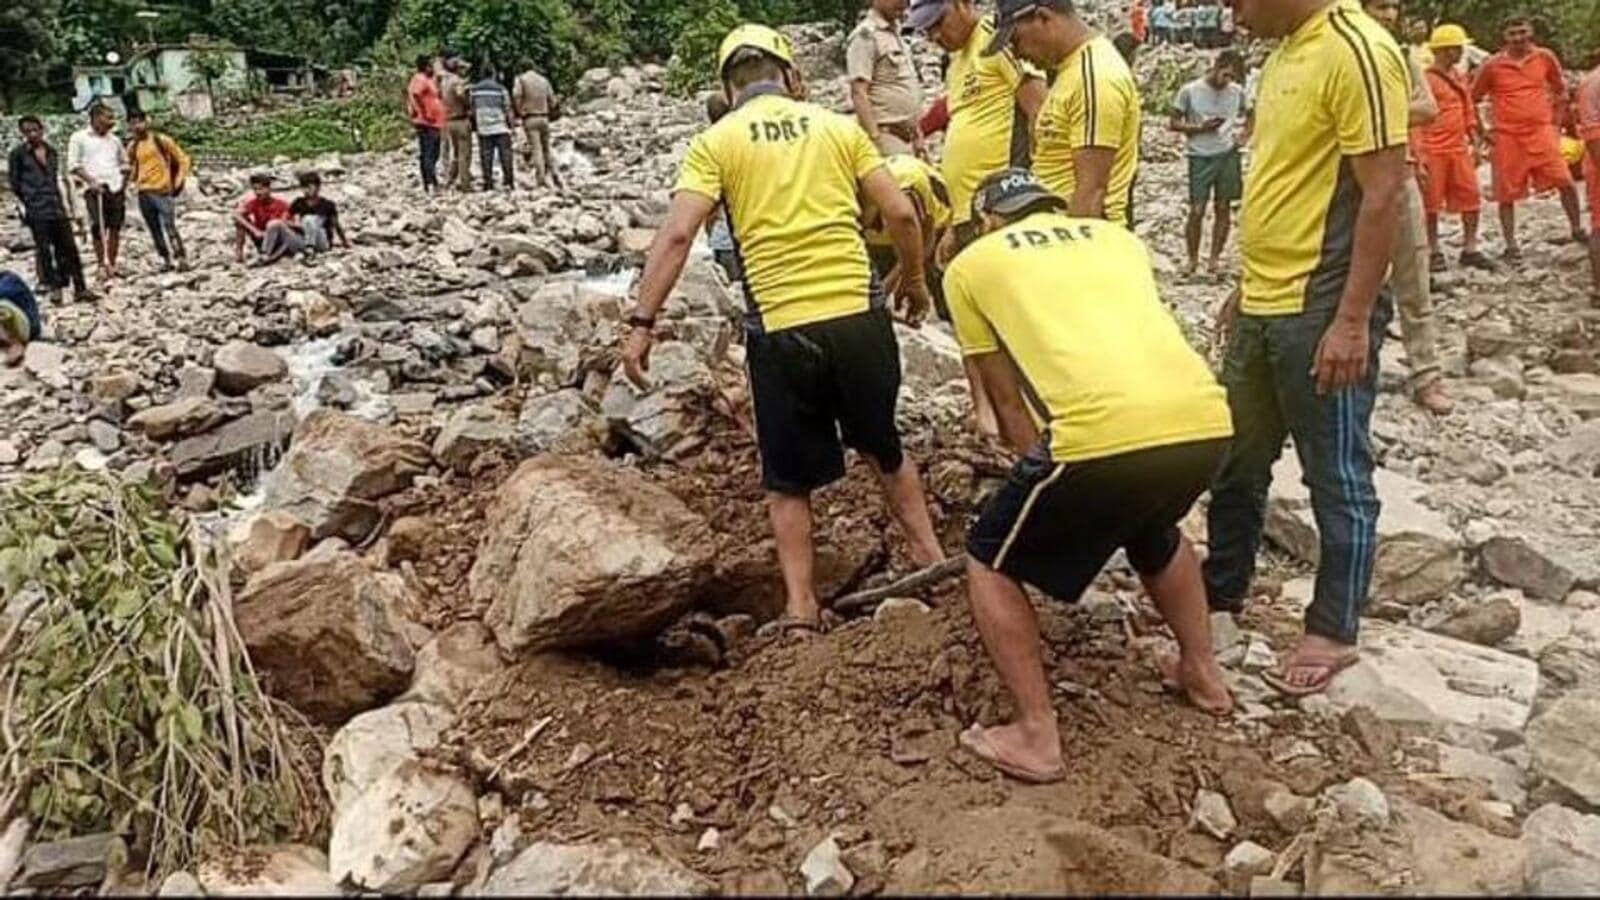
884 88
1589 133
491 119
1413 289
1322 206
992 101
1206 112
100 163
1449 150
822 356
34 175
532 98
457 122
1118 425
1528 96
426 109
1086 139
160 171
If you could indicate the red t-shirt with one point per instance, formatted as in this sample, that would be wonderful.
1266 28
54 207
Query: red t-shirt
260 212
427 108
1589 107
1458 115
1520 91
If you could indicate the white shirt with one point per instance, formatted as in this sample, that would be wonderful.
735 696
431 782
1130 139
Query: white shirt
102 156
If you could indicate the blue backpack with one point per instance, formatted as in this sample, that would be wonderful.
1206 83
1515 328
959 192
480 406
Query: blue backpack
14 292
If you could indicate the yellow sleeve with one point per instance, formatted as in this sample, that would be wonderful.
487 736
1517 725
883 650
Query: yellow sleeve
1015 70
1368 91
700 172
864 155
973 331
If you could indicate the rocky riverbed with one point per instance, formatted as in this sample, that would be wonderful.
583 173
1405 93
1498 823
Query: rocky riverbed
519 600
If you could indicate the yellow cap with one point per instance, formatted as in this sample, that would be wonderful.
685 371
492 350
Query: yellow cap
1572 150
759 37
1448 35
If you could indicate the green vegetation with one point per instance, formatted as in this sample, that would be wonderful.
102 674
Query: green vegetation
369 121
129 703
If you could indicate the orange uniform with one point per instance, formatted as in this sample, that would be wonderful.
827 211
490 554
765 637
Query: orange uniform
1589 133
1527 146
1139 21
1445 146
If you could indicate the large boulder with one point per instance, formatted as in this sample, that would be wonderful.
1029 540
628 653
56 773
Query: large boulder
594 870
243 443
325 632
242 366
1410 675
457 661
272 536
408 828
337 469
1565 740
668 418
471 431
557 324
1419 555
180 418
579 551
1563 852
558 422
372 744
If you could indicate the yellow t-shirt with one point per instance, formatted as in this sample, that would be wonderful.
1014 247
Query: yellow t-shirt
1073 302
1094 102
927 191
153 165
1336 88
987 132
788 173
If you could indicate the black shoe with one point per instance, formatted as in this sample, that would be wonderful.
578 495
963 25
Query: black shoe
1476 260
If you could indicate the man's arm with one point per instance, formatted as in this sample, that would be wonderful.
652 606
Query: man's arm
1030 97
668 253
14 170
1004 387
1423 109
863 108
900 220
338 229
861 57
1342 355
1093 167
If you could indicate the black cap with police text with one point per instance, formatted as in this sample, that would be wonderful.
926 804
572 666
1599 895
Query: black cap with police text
1010 191
1009 12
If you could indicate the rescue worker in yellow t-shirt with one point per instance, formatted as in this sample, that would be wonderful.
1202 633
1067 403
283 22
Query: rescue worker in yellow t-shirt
1119 424
1086 141
1322 209
924 187
821 351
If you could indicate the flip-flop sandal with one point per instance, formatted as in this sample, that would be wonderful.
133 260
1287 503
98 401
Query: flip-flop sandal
785 625
1330 667
976 742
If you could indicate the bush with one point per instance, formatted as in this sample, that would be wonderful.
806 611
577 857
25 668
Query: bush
374 119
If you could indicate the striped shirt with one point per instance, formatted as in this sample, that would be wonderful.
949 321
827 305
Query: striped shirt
491 108
1094 103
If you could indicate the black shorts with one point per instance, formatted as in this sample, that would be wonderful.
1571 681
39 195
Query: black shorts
818 388
107 211
1054 525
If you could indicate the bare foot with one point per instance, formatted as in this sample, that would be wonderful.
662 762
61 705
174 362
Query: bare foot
1201 682
1030 756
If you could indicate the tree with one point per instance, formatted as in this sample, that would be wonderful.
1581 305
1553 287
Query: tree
210 64
27 44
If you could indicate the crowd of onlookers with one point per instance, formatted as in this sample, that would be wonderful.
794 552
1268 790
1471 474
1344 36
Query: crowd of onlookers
1198 23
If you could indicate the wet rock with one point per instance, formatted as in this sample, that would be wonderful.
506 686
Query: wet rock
1563 852
74 862
455 662
409 827
608 869
1564 744
326 632
180 418
1419 554
268 537
1514 562
1406 674
577 551
558 422
372 744
284 870
242 366
471 431
338 467
242 443
1486 622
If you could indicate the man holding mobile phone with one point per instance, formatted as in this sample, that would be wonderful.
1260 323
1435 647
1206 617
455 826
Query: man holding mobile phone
1208 112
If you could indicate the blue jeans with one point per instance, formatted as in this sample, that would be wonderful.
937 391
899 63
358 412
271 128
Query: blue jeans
1272 395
